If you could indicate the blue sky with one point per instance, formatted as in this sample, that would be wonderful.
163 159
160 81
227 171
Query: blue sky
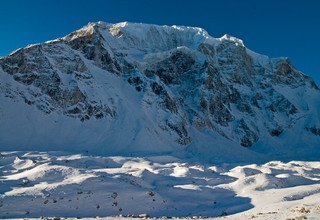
288 28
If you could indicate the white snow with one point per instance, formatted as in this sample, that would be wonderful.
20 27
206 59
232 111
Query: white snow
35 184
238 41
141 167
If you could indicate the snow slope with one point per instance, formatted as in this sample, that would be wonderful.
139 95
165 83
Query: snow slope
140 89
35 184
127 118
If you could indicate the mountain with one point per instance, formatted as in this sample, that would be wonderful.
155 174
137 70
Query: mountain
141 89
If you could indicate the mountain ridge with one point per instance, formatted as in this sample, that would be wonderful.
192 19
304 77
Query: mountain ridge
146 88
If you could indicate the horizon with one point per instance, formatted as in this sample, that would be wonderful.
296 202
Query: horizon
275 29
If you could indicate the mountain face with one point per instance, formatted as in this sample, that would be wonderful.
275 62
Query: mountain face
131 88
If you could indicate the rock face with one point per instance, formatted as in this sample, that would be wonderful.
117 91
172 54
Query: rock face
129 87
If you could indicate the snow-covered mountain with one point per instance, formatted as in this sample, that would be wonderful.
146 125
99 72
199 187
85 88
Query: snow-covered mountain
140 89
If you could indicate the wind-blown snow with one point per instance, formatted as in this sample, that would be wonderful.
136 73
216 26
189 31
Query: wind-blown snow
35 184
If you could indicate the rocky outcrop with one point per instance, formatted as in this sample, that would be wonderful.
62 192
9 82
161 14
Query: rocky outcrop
194 81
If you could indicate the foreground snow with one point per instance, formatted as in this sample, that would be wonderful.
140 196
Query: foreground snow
34 184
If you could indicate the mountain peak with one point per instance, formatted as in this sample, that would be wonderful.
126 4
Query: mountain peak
237 41
161 37
132 87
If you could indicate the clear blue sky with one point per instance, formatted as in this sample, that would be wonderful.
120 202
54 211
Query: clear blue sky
288 28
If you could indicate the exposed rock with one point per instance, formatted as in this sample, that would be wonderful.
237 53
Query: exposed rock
144 216
182 78
276 132
314 130
249 137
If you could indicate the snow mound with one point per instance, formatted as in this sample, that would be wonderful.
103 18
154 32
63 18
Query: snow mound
35 184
